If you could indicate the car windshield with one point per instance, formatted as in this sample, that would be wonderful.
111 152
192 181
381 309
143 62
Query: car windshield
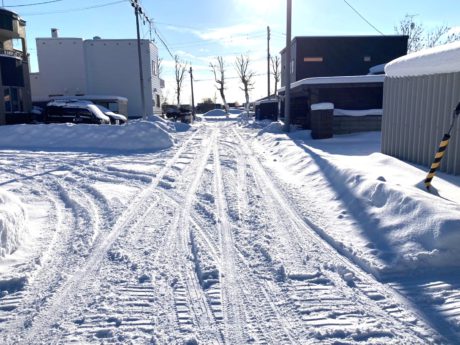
103 109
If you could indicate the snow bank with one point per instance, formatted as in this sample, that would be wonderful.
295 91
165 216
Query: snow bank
271 127
369 206
12 223
136 135
441 59
170 126
215 112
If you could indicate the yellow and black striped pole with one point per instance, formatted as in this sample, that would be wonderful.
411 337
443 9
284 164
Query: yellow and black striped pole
441 150
437 160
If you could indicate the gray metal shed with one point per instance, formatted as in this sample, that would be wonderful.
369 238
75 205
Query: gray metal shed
421 91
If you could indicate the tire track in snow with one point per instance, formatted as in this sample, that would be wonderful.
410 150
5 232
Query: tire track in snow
83 276
356 284
246 299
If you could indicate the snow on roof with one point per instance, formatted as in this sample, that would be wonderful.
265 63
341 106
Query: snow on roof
365 112
378 69
94 97
322 106
354 79
441 59
264 101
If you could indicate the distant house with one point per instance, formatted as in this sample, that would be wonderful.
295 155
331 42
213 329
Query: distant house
421 92
72 66
14 66
340 70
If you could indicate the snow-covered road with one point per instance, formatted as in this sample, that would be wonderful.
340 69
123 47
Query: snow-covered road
197 244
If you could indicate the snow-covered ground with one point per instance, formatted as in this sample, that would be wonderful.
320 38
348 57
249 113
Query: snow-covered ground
162 233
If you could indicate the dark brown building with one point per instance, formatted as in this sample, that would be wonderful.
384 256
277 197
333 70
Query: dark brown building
14 67
327 56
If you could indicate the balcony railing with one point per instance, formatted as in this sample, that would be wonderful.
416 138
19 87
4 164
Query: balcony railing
12 53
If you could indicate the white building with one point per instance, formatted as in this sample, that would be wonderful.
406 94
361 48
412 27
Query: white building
72 66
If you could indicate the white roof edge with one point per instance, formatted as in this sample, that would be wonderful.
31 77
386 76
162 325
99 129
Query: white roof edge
272 100
83 97
353 79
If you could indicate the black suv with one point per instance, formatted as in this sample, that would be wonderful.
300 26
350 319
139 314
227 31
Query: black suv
74 112
181 114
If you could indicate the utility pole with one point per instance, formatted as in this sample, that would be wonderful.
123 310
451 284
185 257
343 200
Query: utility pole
193 98
287 87
137 11
268 60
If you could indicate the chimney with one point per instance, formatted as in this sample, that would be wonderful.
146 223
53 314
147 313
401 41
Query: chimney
54 33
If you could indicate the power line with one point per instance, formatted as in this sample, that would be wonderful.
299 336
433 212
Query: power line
75 9
363 18
35 3
163 42
207 42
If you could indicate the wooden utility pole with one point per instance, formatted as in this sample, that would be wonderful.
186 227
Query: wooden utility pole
193 97
268 60
287 62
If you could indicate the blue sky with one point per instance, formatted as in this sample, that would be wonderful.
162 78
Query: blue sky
199 30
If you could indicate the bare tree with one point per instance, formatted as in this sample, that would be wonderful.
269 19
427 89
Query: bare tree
246 77
219 76
276 71
180 68
419 39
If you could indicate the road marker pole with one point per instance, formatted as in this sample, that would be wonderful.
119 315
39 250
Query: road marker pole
441 150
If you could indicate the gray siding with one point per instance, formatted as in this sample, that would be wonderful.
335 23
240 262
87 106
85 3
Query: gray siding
417 112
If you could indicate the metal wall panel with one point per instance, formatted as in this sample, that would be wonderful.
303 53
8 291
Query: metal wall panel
417 111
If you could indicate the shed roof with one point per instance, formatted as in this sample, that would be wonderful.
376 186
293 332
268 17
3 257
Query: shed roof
437 60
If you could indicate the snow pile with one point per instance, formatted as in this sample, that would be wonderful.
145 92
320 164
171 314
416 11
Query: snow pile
133 136
215 112
271 127
169 126
441 59
371 207
12 223
235 111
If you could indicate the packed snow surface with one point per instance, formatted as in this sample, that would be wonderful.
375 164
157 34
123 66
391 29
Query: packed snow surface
436 60
133 136
238 233
12 223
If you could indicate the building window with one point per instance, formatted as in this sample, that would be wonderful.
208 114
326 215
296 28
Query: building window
313 59
158 100
367 58
13 99
154 68
7 99
292 66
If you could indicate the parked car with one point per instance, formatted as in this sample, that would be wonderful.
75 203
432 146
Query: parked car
62 111
115 119
181 114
